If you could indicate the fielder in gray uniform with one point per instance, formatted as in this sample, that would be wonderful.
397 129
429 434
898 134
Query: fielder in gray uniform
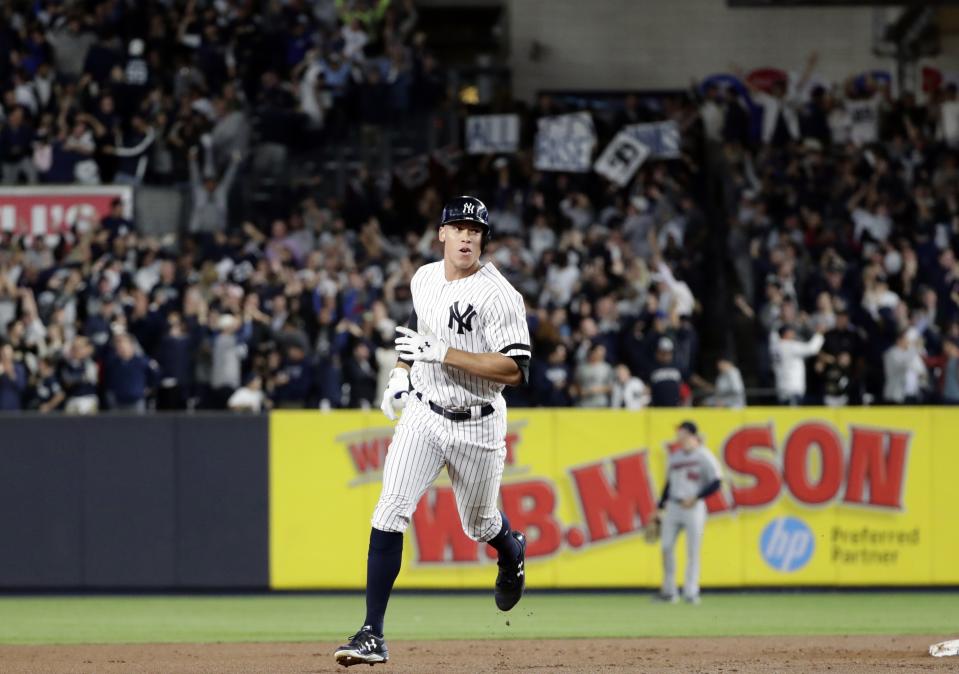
692 474
466 339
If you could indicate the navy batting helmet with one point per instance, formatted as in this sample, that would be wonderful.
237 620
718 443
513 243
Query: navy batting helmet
466 209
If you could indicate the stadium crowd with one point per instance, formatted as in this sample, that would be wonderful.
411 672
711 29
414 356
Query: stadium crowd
843 230
838 211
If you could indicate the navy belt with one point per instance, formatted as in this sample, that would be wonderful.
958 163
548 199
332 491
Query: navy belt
455 415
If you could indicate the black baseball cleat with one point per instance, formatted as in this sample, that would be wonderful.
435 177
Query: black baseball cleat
365 648
663 598
511 579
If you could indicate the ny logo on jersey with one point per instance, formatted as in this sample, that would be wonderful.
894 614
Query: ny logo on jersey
463 320
468 208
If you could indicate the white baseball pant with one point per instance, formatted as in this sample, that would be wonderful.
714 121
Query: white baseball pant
693 521
474 453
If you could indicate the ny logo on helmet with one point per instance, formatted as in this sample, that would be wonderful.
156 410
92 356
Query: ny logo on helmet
468 208
463 320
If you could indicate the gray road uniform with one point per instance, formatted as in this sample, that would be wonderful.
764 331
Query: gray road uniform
688 474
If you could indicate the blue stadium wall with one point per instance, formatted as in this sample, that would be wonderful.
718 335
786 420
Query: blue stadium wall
127 502
813 497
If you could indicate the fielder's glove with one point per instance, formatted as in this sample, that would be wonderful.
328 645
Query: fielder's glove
424 348
653 530
397 392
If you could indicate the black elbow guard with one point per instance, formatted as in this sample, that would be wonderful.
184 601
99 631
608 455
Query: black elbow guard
522 362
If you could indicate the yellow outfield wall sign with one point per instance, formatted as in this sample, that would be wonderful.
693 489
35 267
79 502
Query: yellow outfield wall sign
811 496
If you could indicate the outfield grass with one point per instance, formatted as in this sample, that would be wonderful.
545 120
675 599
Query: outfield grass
131 619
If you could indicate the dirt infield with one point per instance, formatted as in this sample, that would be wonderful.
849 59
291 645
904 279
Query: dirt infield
728 654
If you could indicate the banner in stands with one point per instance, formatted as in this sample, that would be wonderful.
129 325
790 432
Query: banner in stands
414 172
489 134
662 138
40 211
565 143
835 497
621 158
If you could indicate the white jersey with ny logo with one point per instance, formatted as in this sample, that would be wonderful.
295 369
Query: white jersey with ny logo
481 313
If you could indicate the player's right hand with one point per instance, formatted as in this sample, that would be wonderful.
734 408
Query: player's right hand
397 392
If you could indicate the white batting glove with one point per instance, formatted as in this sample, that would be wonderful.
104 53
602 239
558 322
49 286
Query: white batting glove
425 348
396 393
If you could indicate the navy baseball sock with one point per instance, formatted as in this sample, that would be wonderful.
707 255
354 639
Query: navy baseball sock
382 567
504 543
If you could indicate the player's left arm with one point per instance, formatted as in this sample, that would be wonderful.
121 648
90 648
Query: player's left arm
713 476
511 371
710 488
507 334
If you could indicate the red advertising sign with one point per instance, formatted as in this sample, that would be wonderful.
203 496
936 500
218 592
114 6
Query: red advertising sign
41 211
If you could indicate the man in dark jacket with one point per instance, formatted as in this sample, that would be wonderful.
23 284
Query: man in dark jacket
13 380
16 148
47 394
78 373
665 378
129 376
550 381
294 380
358 372
175 362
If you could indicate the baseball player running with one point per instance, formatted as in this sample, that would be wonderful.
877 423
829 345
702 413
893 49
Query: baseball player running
466 339
692 474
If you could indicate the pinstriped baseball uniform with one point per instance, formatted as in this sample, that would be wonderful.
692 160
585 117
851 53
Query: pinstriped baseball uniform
481 313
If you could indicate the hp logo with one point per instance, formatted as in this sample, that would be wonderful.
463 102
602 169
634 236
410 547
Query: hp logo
787 544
